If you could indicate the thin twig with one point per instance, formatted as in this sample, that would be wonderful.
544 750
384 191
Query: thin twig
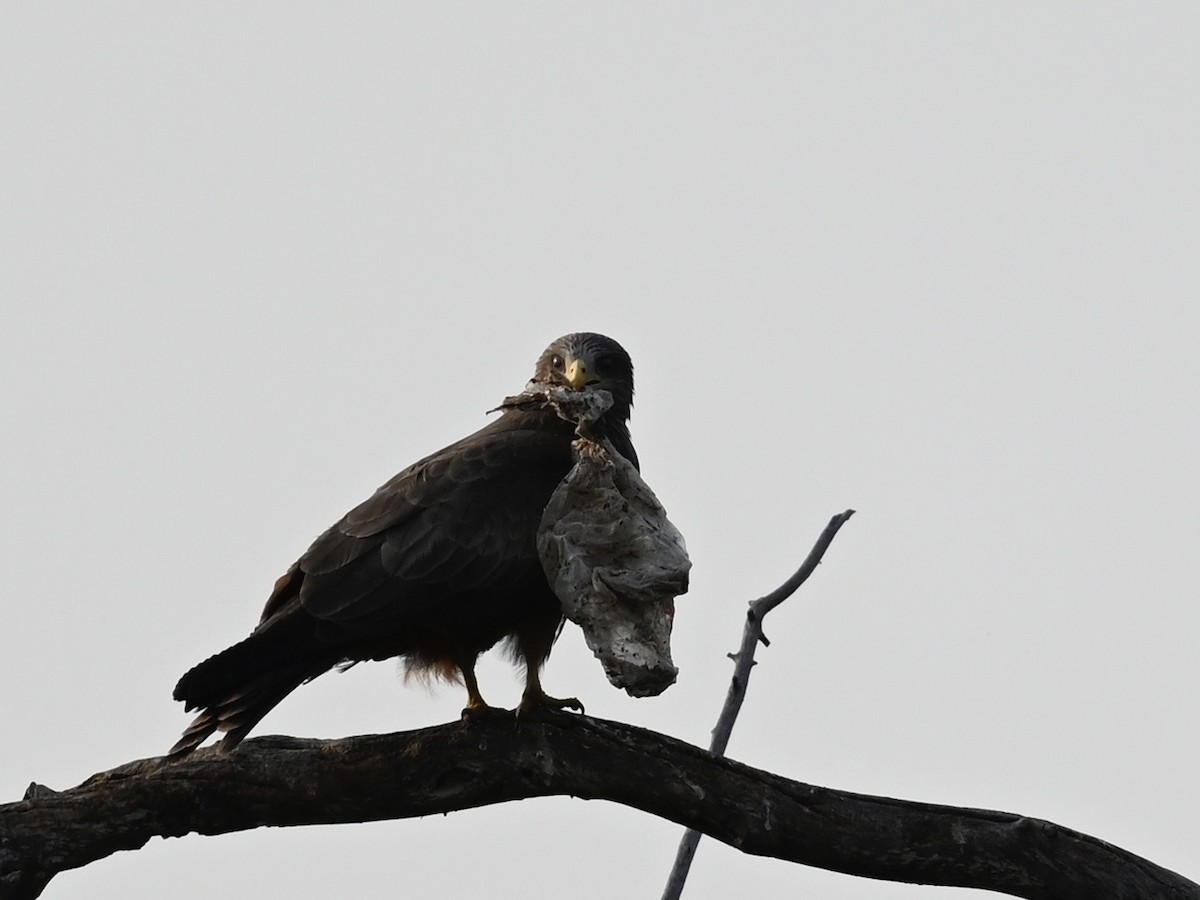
743 661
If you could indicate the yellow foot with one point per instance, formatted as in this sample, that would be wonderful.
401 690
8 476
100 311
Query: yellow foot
539 700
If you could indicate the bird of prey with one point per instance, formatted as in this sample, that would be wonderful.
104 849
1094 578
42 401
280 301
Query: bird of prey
436 567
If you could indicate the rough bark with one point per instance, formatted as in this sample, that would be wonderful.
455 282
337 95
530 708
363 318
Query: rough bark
290 781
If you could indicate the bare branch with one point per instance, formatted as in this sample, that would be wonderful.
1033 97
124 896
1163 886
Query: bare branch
743 662
288 781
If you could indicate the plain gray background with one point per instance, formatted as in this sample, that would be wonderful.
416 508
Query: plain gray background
937 262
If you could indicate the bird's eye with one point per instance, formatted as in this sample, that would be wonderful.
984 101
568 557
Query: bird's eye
557 363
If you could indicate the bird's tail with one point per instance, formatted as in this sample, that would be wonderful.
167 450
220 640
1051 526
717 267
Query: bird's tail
237 687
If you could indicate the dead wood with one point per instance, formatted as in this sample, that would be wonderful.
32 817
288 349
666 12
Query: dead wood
290 781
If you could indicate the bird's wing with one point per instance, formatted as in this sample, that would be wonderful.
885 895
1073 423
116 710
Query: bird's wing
462 519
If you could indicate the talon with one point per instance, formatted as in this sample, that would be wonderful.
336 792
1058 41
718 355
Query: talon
531 701
535 698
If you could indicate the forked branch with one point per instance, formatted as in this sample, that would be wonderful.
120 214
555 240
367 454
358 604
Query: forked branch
288 781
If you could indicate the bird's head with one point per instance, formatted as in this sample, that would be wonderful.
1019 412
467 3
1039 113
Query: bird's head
585 359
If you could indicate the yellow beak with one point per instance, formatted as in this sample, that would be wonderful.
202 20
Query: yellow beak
577 375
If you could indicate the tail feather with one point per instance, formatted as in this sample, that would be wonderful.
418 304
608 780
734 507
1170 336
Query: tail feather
236 714
232 669
237 687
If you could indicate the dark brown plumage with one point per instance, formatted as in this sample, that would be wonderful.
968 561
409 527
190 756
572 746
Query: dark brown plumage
436 567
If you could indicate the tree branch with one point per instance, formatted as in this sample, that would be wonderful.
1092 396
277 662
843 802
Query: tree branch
743 662
289 781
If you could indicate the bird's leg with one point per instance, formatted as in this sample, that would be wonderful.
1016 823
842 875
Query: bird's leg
476 705
533 642
534 697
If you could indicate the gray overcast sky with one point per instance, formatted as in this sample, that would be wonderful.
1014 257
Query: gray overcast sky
937 262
